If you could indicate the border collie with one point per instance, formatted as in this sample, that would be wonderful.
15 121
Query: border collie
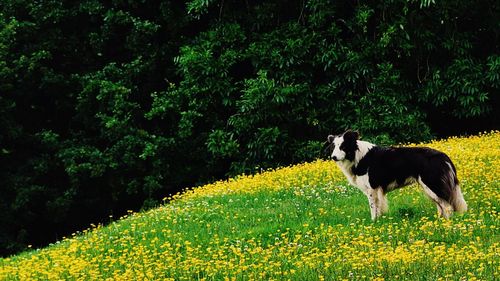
377 170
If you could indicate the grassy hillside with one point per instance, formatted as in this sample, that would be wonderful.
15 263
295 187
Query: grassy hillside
301 223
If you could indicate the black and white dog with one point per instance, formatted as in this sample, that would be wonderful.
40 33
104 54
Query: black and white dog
377 170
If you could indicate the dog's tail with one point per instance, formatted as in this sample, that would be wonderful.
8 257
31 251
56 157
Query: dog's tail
456 197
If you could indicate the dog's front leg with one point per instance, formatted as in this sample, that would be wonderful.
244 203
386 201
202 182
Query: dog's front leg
372 200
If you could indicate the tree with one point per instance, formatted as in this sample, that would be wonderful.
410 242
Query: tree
110 106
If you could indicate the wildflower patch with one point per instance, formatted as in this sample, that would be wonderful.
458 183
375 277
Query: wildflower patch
295 223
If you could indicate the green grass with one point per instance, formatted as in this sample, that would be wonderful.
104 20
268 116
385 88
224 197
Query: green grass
299 223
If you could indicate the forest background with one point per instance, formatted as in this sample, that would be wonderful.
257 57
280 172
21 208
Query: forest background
110 106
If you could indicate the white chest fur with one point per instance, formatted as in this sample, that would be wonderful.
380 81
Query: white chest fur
362 181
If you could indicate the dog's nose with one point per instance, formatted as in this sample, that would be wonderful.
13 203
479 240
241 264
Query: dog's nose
334 158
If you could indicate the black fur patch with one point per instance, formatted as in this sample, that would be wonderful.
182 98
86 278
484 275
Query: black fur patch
388 165
349 145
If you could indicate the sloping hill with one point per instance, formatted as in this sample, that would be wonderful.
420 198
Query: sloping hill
300 223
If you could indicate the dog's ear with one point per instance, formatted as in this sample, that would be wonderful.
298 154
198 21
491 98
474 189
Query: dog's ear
331 138
351 135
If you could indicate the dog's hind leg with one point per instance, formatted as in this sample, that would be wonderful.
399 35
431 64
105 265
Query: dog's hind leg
443 210
457 200
443 207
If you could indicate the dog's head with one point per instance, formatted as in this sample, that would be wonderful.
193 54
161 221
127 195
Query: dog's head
343 147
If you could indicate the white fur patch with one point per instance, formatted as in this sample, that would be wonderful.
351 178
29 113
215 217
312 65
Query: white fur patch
337 153
363 148
363 183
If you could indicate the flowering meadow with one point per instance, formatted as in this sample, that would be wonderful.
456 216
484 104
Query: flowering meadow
302 222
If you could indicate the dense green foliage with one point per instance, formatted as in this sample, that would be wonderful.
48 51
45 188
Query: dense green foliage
109 106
